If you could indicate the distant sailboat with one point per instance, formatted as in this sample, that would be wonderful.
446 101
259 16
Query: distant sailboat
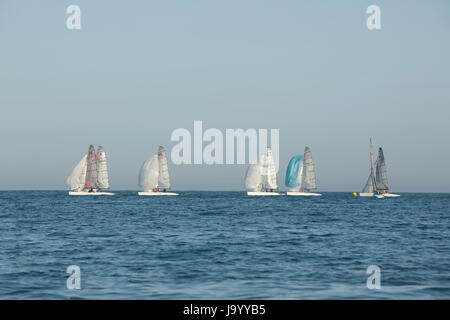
377 183
154 176
261 178
90 176
301 176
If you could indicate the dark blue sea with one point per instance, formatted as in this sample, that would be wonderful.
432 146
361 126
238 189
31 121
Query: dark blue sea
223 245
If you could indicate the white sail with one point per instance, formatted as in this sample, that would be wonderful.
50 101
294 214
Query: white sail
164 177
149 174
102 169
91 170
308 180
268 169
77 179
254 180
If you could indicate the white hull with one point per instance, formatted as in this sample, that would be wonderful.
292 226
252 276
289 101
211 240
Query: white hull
386 195
391 195
262 193
371 194
303 194
84 193
151 193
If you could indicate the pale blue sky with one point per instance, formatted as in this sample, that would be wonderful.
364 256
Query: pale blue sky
140 69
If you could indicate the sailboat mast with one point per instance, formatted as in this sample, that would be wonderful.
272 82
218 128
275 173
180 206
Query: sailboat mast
302 171
372 169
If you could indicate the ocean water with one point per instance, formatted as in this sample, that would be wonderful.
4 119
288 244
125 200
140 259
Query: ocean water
223 245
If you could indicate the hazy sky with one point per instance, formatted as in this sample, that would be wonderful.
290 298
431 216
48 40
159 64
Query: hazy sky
137 70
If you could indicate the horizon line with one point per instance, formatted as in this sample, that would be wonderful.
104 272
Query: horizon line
201 190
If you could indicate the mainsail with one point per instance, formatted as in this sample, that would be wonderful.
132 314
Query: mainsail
77 179
381 173
164 177
149 173
309 174
254 180
91 170
268 169
102 169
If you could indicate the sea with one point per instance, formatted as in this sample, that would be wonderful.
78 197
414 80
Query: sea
223 245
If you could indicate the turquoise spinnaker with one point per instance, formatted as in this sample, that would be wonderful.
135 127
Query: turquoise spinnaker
292 172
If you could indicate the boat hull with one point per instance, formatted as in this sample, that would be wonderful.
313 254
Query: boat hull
83 193
303 194
262 193
385 195
151 193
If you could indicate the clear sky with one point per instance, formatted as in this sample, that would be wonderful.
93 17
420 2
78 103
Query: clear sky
137 70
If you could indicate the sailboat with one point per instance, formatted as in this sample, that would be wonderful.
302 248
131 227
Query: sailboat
90 175
301 176
377 183
154 176
261 177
